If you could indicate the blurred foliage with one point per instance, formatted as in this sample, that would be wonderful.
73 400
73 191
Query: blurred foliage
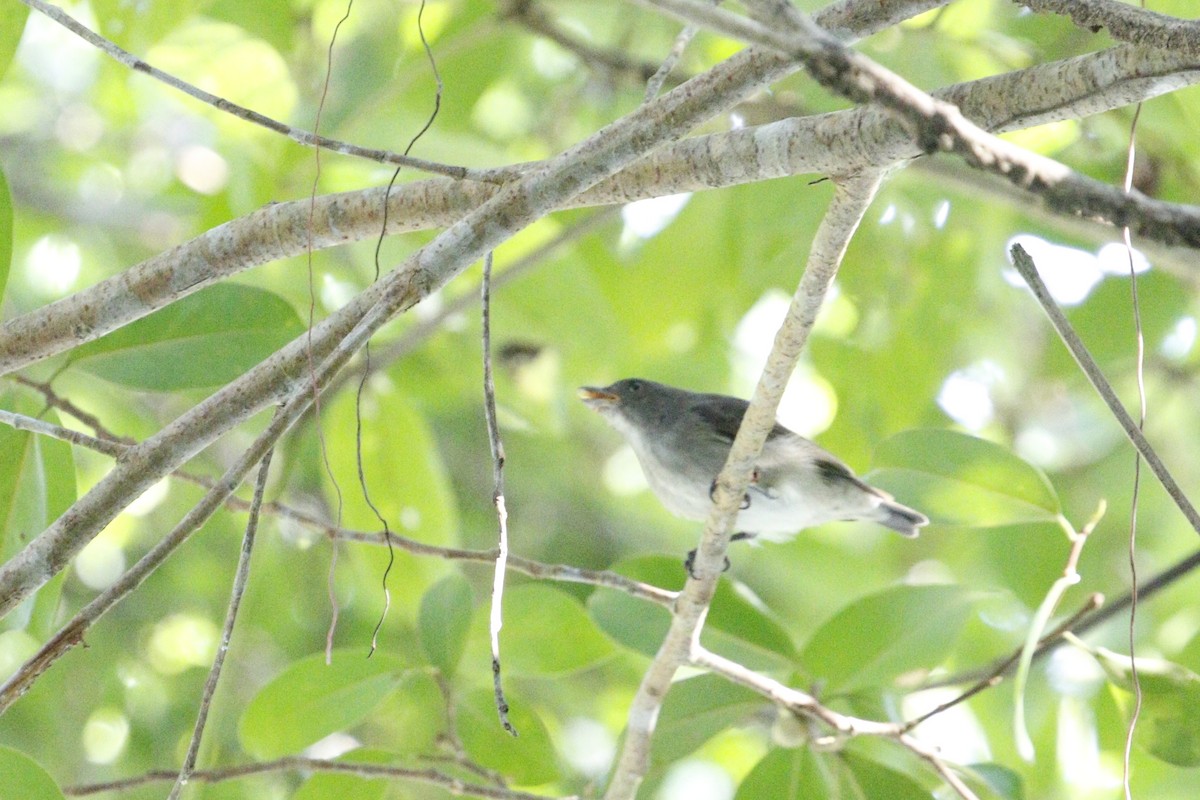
930 369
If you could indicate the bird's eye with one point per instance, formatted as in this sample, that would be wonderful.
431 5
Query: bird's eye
635 386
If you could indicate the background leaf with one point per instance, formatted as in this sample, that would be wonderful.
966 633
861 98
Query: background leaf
310 700
21 776
963 480
6 207
877 638
206 339
546 632
445 619
529 758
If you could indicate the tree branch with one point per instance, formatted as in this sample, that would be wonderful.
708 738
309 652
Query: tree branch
845 726
857 139
850 201
937 126
1127 23
297 135
1028 270
449 783
515 206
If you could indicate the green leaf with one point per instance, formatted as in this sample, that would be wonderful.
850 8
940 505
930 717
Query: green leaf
882 636
309 700
12 25
1006 783
802 774
405 475
546 632
737 622
205 339
696 710
528 758
1169 723
21 776
958 479
138 25
37 484
6 207
872 779
336 786
444 621
786 775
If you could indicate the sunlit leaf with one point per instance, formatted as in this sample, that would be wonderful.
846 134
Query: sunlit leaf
12 25
6 207
880 637
528 758
784 774
802 774
958 479
21 776
1006 783
445 619
546 632
1169 723
205 339
697 709
309 700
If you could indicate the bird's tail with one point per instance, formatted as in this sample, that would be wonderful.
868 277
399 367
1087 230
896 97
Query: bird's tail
899 518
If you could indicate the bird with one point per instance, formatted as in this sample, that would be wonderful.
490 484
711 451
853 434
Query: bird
682 439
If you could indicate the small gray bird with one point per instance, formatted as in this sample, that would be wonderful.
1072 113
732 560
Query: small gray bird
682 439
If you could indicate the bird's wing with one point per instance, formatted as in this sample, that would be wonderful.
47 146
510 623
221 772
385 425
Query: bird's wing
723 415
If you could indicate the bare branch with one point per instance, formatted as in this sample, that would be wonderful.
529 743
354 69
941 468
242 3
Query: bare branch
1127 23
937 126
233 109
496 619
1024 265
515 206
281 230
850 201
449 783
844 726
858 139
240 578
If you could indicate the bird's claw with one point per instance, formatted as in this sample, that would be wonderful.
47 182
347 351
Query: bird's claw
712 493
689 564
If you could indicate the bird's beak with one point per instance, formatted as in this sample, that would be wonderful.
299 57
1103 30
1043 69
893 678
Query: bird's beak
597 398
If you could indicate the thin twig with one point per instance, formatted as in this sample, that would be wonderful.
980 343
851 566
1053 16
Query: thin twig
22 422
1041 618
1025 266
1088 621
362 477
996 675
453 785
55 400
241 577
496 620
806 705
221 104
537 21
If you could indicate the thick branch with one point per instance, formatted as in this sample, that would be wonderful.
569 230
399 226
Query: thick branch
865 138
515 206
937 126
1127 23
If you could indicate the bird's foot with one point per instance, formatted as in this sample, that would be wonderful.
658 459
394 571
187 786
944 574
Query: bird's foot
712 492
689 563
